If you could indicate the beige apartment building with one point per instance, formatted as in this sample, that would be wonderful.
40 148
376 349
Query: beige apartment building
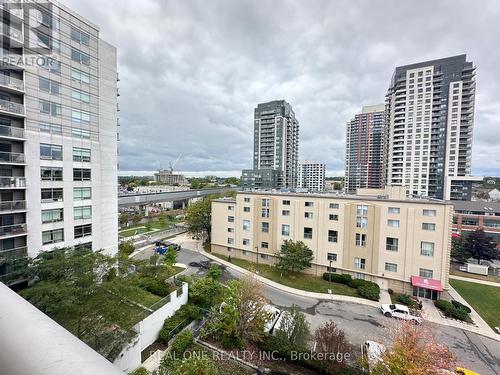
378 234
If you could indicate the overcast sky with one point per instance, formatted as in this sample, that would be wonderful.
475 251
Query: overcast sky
192 71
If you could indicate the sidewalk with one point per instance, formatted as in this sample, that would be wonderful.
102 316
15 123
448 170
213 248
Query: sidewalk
472 280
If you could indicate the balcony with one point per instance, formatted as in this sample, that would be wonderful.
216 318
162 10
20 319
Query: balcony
13 206
16 253
14 35
12 230
12 108
11 83
11 158
12 182
11 132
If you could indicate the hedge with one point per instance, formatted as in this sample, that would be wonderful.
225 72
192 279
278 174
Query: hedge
366 289
337 278
181 343
370 291
153 285
461 306
182 317
453 309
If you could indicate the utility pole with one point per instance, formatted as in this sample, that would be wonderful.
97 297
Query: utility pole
257 252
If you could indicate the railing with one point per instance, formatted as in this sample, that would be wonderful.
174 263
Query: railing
11 82
12 205
9 106
8 230
12 182
18 252
10 131
11 157
13 34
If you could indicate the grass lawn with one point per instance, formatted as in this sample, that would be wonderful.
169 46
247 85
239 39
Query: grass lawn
474 276
484 299
156 225
297 280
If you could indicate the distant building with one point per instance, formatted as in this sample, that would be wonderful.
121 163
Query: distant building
471 215
311 176
364 154
276 147
494 195
169 178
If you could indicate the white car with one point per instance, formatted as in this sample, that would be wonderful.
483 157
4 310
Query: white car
399 312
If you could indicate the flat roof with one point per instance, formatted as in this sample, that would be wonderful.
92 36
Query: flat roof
476 206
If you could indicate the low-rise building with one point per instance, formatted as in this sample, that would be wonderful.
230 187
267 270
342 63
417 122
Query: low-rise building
471 215
169 178
378 235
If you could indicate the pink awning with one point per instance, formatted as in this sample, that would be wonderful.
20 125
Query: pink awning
426 283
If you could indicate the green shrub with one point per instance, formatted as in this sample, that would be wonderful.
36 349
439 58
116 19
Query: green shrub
336 278
460 314
182 317
153 285
405 300
140 371
356 283
461 306
181 342
370 291
444 306
232 341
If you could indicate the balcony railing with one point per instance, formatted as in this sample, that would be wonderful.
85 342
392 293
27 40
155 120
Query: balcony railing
12 157
12 182
11 82
18 252
10 230
14 34
12 107
12 205
10 131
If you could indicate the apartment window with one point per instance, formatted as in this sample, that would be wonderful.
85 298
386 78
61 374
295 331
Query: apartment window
391 267
87 246
265 227
53 236
50 152
50 128
83 230
52 216
80 133
429 212
286 203
361 222
429 226
391 244
246 199
77 115
332 257
360 239
82 193
246 209
230 208
81 174
393 210
230 219
246 224
359 263
285 212
79 76
80 57
358 275
84 212
265 212
263 256
49 108
426 273
333 217
308 215
285 230
427 249
361 210
393 223
83 155
80 95
52 195
48 85
264 245
334 205
230 230
51 174
265 202
332 236
230 241
246 242
309 204
80 36
308 233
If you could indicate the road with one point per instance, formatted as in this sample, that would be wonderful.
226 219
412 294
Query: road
361 322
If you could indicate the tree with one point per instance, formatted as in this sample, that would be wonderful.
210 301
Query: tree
126 248
123 219
414 351
480 246
331 340
199 217
294 256
214 272
137 218
170 257
458 249
205 292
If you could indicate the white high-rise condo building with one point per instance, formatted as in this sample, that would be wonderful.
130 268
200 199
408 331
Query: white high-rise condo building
311 176
58 135
430 119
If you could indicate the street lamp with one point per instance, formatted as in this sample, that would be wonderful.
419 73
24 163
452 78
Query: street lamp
330 276
257 252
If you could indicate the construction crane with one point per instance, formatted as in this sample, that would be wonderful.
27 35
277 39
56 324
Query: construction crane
172 164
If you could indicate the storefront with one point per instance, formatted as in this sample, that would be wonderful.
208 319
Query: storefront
426 288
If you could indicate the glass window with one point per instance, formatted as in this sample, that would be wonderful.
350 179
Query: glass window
80 95
80 133
52 216
246 199
84 212
360 239
359 263
81 174
51 174
246 209
50 152
83 155
82 193
230 219
246 242
83 230
391 244
308 215
265 202
391 267
80 36
332 257
393 223
50 128
80 57
332 236
285 230
308 233
48 85
52 195
53 236
427 249
77 115
265 212
361 210
429 212
230 208
334 205
429 226
393 210
265 227
264 245
426 273
79 76
309 204
286 203
230 241
285 212
333 217
50 108
246 224
361 222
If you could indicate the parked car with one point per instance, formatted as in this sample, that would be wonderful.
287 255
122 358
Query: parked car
194 264
167 244
399 312
464 371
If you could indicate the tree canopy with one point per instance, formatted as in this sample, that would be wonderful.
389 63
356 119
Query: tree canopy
294 256
475 245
